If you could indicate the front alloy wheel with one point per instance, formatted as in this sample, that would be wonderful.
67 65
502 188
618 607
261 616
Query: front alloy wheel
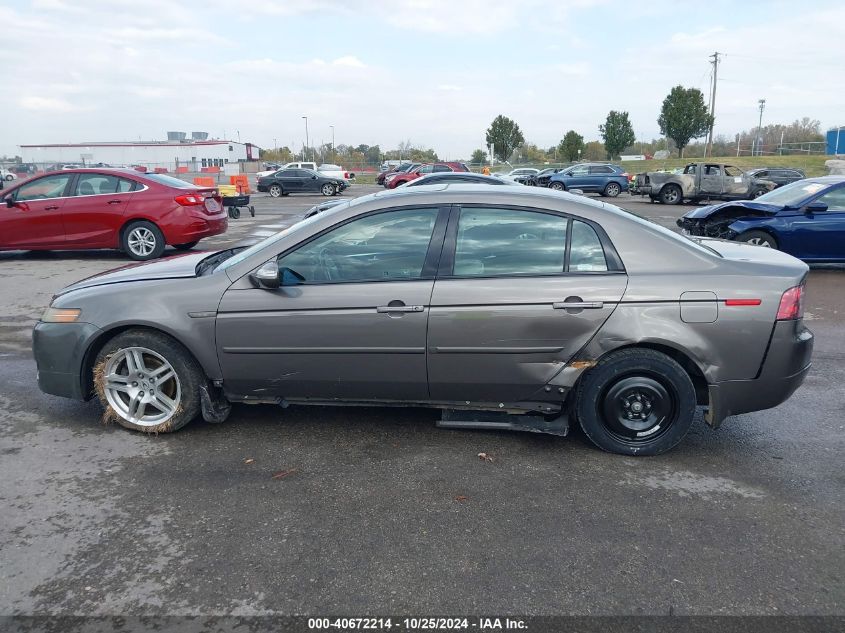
328 189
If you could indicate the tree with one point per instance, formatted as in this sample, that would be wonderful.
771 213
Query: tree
571 146
684 116
594 150
617 133
479 157
505 136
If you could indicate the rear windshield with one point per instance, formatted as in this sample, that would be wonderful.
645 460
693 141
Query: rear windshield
170 181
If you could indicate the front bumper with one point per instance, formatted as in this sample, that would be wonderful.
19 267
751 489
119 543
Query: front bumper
59 350
784 368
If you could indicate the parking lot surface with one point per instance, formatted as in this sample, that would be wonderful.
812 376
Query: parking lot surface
356 510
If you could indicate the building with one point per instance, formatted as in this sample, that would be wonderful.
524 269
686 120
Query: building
836 140
178 151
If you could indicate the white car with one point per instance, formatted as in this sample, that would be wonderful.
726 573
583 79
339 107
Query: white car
519 174
5 174
311 166
335 171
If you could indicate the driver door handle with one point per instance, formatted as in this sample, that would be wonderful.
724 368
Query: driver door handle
113 202
398 309
578 305
51 207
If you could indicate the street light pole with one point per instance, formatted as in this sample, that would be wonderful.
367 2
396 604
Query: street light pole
762 103
333 156
307 142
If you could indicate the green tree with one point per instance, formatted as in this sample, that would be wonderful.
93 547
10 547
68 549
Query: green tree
505 136
594 150
617 133
571 146
684 116
479 157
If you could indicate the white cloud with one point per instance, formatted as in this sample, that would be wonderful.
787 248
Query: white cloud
48 104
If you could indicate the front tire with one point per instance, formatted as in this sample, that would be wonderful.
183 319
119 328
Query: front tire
636 402
142 241
10 178
328 190
557 186
147 381
276 191
671 194
758 238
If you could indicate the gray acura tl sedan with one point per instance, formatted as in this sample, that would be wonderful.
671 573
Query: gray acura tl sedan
506 307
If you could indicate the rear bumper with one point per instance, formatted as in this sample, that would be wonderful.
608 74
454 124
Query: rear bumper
784 368
59 350
195 226
263 188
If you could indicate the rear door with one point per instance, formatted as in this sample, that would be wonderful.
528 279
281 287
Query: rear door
711 179
518 293
93 214
354 329
291 180
36 219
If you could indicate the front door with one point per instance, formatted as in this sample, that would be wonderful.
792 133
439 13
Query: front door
35 220
354 328
511 305
93 214
821 235
291 180
578 178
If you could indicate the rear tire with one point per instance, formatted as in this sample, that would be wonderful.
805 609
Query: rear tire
671 194
276 191
142 241
151 374
186 246
635 402
612 190
757 193
758 238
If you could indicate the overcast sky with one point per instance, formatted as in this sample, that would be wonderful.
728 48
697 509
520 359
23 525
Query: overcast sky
432 71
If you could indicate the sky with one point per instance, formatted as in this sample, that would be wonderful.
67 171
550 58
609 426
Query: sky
432 72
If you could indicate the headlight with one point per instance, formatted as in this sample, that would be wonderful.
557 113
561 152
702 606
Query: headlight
61 315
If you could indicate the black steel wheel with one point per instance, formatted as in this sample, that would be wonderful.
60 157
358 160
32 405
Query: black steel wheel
636 402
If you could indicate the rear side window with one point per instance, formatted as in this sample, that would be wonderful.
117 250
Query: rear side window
499 242
601 169
734 172
586 253
439 168
99 184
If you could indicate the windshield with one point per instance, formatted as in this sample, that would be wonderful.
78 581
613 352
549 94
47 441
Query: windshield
792 195
291 230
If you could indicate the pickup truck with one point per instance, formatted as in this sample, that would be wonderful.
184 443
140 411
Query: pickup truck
700 181
267 172
335 171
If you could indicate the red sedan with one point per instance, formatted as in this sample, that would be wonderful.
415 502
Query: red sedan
393 180
109 208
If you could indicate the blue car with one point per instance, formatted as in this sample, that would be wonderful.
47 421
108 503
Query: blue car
805 219
608 180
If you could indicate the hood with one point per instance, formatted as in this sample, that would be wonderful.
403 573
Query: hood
171 268
705 212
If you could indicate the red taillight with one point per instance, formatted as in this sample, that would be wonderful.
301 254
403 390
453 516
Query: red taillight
346 175
742 302
190 199
791 305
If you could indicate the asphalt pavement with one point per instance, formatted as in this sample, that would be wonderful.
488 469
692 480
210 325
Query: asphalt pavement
340 510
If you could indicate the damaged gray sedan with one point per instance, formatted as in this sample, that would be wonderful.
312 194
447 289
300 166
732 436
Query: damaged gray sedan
505 307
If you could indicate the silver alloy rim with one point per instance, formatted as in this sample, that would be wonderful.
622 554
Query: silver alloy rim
141 386
275 191
612 189
760 241
557 186
141 241
328 190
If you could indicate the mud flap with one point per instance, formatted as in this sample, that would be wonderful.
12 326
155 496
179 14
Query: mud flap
215 408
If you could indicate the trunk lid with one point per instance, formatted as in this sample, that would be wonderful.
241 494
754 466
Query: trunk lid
775 262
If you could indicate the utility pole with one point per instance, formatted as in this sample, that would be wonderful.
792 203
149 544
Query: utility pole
715 62
307 142
762 103
333 156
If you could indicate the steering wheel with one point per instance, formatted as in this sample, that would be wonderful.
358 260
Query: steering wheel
329 265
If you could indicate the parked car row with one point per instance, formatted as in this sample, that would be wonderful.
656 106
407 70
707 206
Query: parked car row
399 177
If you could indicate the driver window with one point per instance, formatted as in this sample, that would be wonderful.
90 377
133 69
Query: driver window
42 188
835 200
383 247
580 171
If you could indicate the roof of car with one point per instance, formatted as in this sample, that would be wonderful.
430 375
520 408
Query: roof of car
827 180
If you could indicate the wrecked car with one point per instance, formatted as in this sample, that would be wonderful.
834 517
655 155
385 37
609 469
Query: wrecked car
805 219
511 308
700 181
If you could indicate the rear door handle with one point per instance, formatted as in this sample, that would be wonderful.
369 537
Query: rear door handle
578 305
398 309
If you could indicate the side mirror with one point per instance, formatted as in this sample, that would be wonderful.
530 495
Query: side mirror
290 277
815 207
313 177
267 276
9 201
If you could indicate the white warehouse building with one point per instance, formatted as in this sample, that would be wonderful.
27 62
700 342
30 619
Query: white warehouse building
193 154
